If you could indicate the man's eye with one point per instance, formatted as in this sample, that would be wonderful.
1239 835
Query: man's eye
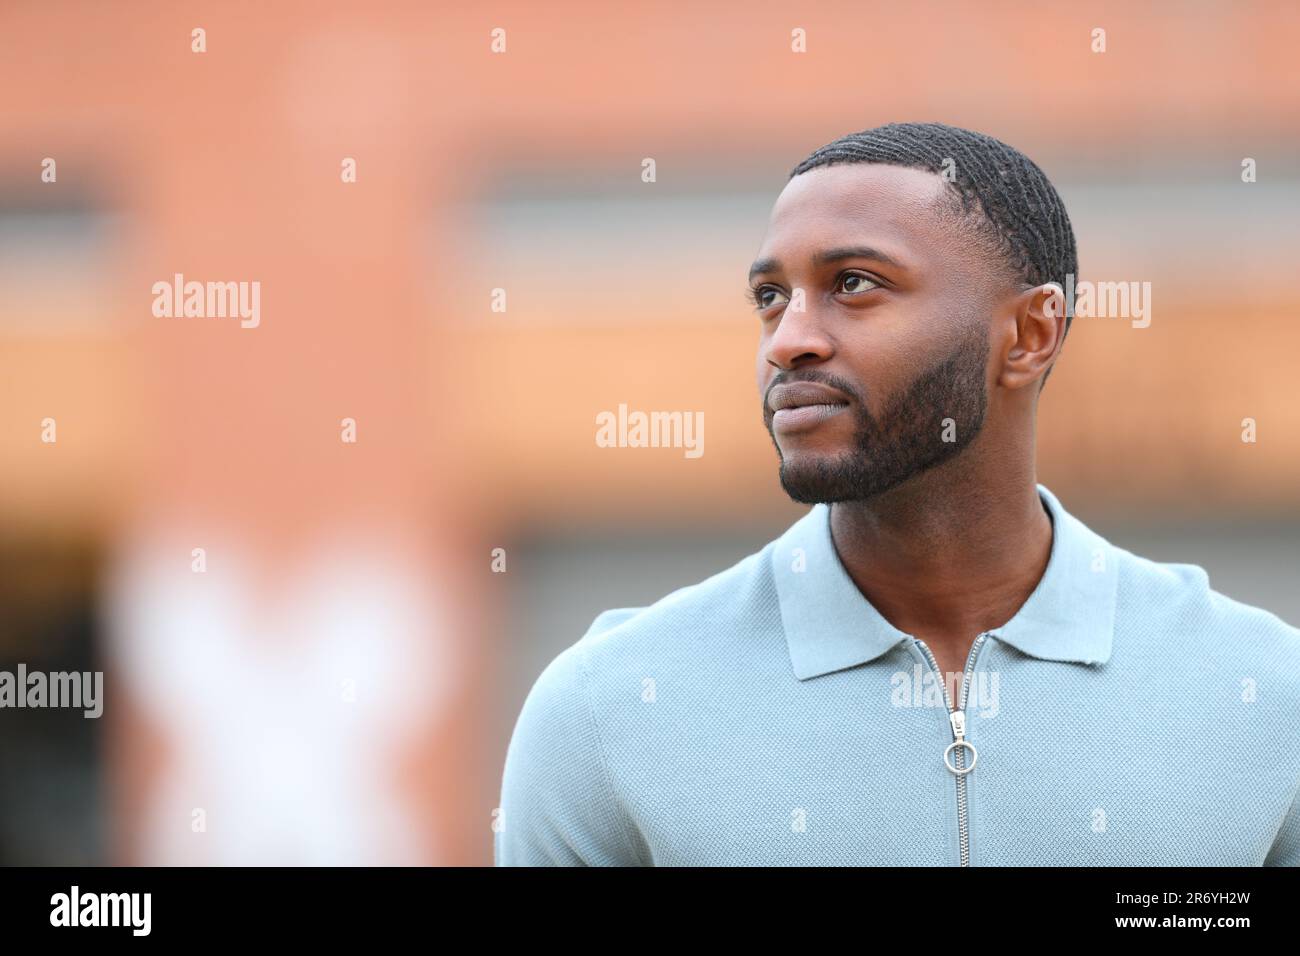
760 295
867 283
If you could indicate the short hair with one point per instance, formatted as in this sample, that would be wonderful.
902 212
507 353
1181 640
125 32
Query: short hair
1021 210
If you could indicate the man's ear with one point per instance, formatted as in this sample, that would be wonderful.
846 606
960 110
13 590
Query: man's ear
1039 314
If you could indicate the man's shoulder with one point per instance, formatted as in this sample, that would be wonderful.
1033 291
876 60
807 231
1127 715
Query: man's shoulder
1179 597
723 599
561 786
667 633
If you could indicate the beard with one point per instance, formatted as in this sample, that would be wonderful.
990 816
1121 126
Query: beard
907 437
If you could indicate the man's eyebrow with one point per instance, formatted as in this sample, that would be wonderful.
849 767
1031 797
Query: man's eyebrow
828 256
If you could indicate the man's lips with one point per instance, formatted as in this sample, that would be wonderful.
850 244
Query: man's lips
803 417
800 405
795 394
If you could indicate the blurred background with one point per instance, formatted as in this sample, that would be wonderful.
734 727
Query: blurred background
334 676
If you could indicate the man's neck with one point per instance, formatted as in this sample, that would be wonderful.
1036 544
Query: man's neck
944 559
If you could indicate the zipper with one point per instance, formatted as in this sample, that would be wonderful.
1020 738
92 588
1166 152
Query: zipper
959 746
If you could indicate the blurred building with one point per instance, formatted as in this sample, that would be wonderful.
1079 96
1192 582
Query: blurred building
331 677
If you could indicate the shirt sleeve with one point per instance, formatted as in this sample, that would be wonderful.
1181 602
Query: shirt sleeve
1286 848
558 807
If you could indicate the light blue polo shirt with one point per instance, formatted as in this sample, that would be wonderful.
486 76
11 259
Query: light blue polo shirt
1127 715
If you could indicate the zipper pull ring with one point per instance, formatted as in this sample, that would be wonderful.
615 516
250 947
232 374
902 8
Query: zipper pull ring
958 720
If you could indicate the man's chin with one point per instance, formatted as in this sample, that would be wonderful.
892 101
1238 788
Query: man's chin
817 481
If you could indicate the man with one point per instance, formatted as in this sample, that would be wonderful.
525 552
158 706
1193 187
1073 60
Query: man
1094 708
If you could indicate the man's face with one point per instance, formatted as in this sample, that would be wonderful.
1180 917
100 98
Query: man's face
884 372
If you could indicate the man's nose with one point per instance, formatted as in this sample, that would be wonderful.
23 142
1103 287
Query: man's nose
799 339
